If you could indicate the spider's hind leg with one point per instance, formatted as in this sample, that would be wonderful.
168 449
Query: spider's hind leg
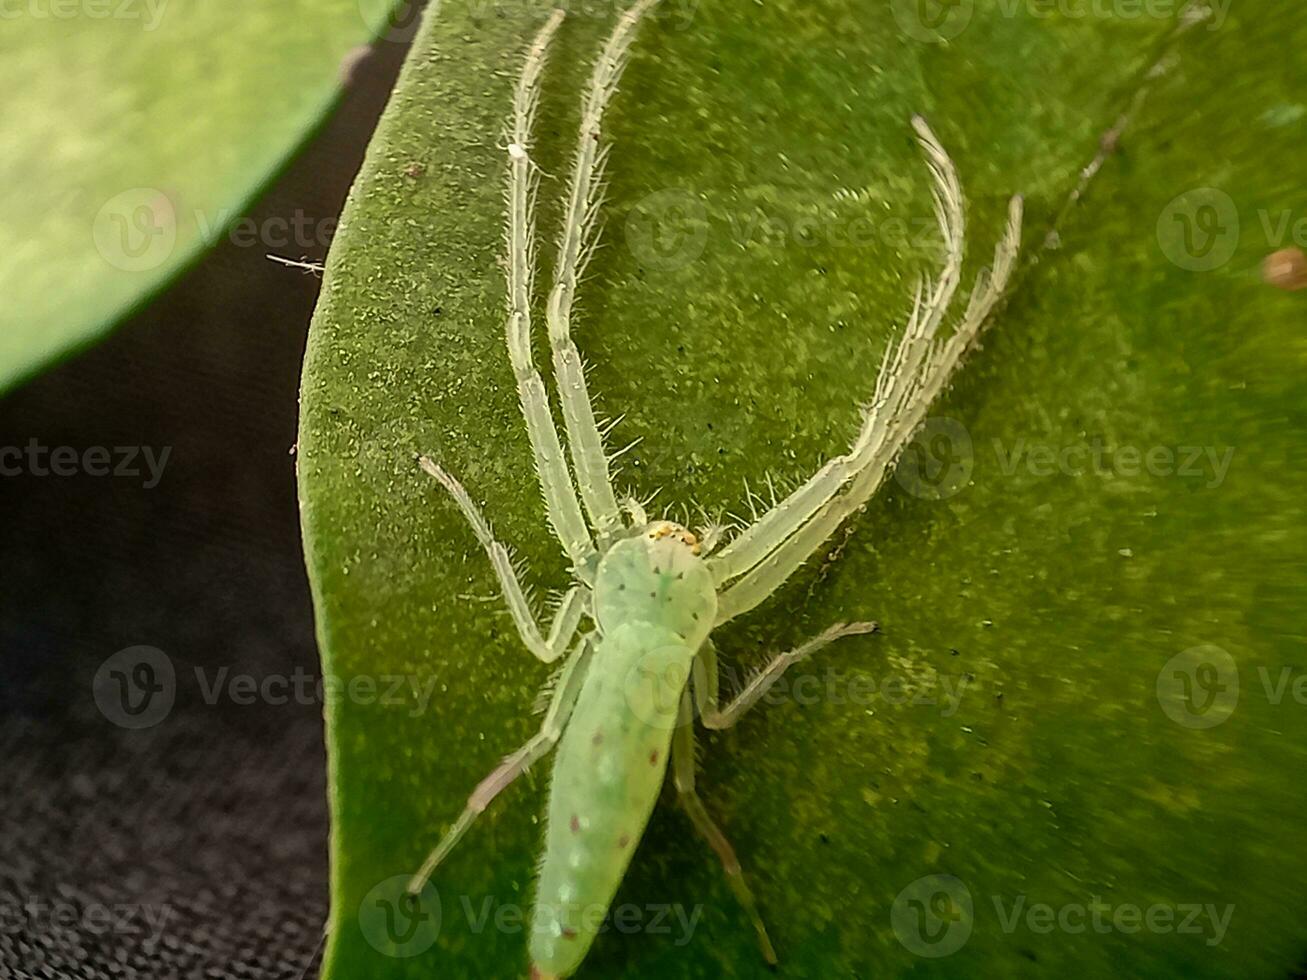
703 695
560 707
683 766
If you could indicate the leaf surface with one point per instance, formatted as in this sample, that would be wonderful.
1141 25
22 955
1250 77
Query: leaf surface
1117 487
134 133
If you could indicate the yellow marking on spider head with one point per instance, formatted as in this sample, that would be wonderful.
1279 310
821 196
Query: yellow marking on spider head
660 530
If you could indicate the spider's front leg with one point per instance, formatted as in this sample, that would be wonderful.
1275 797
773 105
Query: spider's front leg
551 466
574 249
915 372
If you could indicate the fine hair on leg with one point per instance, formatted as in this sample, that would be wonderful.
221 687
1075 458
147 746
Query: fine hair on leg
913 375
575 246
561 501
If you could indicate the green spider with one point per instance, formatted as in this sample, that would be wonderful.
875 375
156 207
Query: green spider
632 683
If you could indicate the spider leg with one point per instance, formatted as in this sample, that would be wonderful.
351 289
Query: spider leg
578 239
913 375
564 698
561 501
893 386
706 677
683 765
788 554
566 619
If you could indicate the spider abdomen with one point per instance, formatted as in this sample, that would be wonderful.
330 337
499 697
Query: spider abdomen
610 767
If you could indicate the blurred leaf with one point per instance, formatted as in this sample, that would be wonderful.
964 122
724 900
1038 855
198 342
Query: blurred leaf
134 133
1120 484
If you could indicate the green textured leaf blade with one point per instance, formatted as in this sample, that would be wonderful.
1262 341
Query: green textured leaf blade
134 133
1017 728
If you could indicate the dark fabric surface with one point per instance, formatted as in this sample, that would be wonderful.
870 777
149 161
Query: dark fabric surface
195 847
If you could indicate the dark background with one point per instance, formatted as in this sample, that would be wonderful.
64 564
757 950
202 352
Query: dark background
217 816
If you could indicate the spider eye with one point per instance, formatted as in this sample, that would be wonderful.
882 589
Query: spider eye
669 529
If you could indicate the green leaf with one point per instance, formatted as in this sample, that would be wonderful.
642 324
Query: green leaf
135 131
1070 779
